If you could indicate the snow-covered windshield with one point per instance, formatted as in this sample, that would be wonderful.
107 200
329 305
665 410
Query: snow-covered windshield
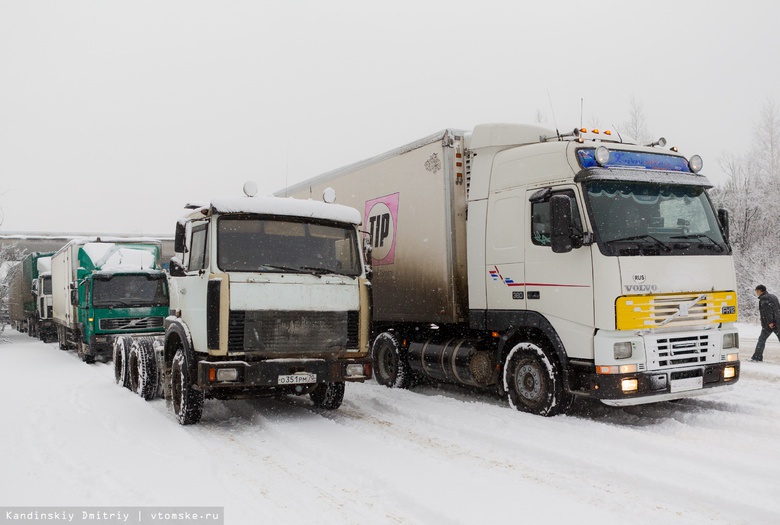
252 244
117 290
635 218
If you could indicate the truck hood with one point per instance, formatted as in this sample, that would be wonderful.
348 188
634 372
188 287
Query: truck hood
657 275
296 292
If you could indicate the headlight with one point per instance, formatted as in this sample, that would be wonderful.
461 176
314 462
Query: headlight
730 341
623 350
729 373
227 374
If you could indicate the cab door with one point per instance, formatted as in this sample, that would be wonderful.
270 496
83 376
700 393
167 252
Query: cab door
559 285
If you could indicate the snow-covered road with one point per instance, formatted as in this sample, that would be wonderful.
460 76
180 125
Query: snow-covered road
71 437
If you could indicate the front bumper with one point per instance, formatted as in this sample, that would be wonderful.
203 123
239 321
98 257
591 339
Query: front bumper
660 385
266 374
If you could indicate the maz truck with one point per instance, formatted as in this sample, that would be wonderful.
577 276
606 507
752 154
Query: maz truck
104 289
545 266
269 297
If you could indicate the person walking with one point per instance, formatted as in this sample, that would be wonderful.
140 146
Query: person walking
769 309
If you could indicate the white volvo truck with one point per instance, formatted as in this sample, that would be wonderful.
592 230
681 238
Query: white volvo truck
269 297
545 266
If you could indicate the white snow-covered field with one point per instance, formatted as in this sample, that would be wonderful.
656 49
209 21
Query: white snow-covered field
69 436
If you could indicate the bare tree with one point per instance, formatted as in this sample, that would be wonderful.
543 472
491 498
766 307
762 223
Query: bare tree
636 126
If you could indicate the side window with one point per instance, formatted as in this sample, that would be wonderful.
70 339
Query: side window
198 252
541 223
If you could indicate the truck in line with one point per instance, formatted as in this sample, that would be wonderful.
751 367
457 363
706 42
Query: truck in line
106 288
30 306
545 266
269 297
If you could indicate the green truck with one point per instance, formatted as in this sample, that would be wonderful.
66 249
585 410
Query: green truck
30 296
103 289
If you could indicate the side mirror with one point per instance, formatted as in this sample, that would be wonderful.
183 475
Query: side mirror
178 241
723 218
368 246
74 297
176 269
560 212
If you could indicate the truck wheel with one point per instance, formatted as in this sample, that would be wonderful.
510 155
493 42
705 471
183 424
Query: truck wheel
328 395
142 368
187 402
533 382
61 338
85 355
391 367
120 355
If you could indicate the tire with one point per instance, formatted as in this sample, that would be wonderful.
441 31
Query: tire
328 395
120 358
61 339
187 402
391 365
84 353
533 381
142 368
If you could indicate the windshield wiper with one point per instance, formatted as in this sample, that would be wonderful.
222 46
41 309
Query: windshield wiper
665 247
699 236
283 268
323 271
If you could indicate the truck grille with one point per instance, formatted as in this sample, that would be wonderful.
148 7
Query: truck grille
675 351
278 332
131 323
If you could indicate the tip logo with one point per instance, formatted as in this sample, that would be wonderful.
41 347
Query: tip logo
381 219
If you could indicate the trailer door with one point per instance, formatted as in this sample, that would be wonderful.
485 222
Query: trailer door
559 285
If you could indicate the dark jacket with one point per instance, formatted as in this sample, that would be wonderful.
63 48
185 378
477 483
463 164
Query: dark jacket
769 308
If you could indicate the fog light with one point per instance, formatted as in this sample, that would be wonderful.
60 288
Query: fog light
630 385
354 370
227 374
730 341
623 350
729 372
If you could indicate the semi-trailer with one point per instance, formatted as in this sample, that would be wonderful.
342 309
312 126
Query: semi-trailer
545 266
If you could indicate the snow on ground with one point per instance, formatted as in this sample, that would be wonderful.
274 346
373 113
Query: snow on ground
71 437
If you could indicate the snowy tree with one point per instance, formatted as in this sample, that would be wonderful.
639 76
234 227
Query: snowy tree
752 188
9 255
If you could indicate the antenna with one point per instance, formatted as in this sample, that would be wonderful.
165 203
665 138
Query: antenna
618 133
552 110
582 105
287 169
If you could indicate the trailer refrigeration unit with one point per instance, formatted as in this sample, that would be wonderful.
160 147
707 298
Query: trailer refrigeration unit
104 289
545 266
31 296
268 297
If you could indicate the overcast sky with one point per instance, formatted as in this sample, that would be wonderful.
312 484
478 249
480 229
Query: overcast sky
115 114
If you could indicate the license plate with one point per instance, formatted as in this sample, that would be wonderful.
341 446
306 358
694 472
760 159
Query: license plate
300 378
689 383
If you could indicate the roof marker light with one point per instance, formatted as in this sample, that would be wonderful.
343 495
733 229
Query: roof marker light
602 155
695 163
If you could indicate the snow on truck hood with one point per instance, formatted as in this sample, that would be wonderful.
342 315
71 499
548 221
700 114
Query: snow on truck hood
109 256
287 206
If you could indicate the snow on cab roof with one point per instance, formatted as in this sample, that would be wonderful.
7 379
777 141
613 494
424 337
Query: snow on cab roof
288 207
114 257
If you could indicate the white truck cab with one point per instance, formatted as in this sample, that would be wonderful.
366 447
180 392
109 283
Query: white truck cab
269 296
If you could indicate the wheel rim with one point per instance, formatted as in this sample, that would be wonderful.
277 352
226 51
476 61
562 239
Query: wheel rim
386 362
528 382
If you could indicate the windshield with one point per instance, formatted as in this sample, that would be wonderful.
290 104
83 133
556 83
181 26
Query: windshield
635 218
252 244
129 290
47 285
